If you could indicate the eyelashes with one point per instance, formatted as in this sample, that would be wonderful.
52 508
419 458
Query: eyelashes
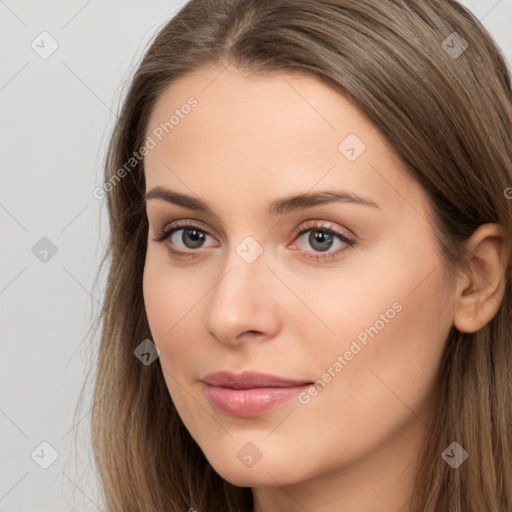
319 233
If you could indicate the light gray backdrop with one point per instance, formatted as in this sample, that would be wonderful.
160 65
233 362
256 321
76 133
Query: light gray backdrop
63 66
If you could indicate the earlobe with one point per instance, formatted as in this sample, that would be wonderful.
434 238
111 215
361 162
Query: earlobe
480 287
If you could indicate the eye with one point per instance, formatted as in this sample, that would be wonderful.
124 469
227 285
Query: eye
322 239
183 239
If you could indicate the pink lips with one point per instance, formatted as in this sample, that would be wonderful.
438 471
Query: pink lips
250 393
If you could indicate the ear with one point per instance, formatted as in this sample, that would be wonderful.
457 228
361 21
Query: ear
480 287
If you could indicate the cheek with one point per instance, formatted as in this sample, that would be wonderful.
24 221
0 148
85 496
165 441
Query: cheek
388 312
172 299
390 338
172 302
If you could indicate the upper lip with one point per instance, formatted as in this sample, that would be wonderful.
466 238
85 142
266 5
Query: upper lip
250 380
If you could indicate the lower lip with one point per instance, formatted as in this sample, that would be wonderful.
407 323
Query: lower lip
251 402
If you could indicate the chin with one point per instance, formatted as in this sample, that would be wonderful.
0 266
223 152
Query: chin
271 470
257 477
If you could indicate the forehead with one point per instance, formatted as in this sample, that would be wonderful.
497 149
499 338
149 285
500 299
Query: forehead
230 100
284 131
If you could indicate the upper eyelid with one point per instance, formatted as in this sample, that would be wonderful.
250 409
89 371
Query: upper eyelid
184 224
319 225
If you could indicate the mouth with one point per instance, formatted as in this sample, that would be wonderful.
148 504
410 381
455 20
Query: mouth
250 394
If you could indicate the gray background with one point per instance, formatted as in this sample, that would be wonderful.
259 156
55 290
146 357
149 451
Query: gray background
56 117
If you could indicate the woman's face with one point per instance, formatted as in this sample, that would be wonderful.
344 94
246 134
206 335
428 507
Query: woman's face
340 303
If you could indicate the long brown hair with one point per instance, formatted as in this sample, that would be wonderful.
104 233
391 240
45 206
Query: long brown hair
434 82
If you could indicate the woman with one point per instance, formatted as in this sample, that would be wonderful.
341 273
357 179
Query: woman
308 303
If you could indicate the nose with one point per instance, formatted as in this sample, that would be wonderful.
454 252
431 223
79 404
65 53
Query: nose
243 305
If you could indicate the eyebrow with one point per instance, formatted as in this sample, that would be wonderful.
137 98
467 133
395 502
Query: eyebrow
280 206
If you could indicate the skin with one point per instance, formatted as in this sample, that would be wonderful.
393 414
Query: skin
249 141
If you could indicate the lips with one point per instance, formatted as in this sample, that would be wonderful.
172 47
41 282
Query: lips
250 393
250 380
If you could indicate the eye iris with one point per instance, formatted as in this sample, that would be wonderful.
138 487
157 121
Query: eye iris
197 237
320 237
